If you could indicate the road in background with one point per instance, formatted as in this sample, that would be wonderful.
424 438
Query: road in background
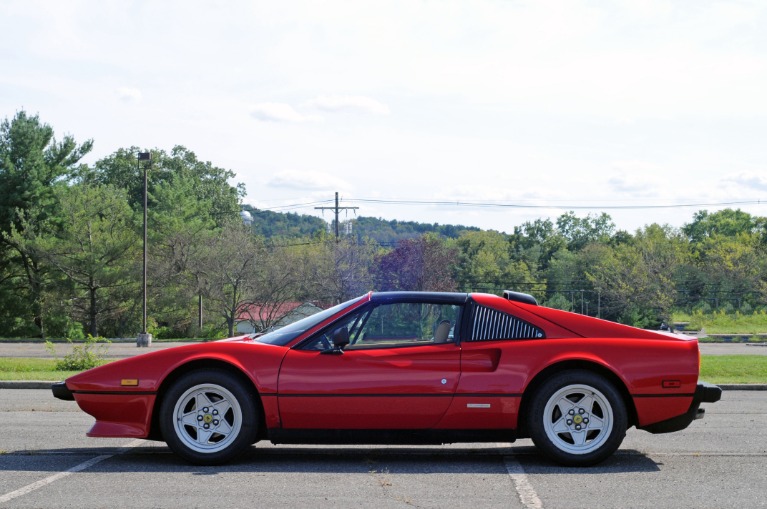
120 350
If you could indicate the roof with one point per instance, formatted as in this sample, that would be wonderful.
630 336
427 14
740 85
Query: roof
251 312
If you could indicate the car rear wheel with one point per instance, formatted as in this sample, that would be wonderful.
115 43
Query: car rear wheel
577 418
209 417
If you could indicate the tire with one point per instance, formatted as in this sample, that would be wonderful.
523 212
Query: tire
577 418
209 417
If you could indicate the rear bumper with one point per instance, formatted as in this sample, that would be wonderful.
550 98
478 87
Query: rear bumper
707 393
704 393
61 391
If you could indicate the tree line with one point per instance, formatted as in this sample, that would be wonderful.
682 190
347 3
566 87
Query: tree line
71 241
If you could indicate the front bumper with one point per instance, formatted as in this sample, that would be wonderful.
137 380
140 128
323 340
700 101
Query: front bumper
61 391
704 393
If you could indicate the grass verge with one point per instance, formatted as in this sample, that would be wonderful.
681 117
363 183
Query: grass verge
717 369
24 368
734 369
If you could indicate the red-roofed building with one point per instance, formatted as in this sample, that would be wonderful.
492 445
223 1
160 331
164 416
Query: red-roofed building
254 318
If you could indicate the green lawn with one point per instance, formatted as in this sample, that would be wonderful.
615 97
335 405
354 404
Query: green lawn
734 369
724 323
718 369
23 368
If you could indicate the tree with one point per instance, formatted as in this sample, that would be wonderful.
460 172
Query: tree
486 265
189 201
32 164
425 263
332 272
95 248
581 231
228 267
203 187
535 243
277 283
727 223
635 280
734 269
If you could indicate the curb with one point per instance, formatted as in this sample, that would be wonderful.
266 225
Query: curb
743 387
37 384
26 384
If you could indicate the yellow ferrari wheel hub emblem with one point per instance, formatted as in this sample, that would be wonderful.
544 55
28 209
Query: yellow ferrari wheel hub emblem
577 419
207 419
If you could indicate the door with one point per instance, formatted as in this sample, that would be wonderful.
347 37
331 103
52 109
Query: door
399 370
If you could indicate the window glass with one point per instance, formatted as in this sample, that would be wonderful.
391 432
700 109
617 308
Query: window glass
286 334
393 325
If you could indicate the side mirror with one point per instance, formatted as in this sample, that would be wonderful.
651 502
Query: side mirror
340 338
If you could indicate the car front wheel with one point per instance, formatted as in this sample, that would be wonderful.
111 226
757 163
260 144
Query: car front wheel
208 417
577 418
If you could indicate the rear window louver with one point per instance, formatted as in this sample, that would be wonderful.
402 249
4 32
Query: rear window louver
489 324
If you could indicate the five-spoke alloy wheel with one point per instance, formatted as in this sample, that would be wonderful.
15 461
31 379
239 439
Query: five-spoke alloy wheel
577 418
208 416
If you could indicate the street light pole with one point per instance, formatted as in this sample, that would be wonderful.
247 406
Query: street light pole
144 338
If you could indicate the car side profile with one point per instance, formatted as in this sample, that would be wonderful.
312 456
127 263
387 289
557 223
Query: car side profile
406 367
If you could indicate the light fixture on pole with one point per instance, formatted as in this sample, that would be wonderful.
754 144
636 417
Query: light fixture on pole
144 338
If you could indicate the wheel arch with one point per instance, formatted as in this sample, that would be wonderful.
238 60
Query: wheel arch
206 363
568 365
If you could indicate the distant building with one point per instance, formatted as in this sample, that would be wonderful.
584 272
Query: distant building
251 317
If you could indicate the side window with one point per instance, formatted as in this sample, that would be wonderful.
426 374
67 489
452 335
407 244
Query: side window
394 325
407 323
323 340
489 324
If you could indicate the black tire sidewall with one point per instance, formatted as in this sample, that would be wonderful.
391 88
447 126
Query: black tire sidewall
245 397
535 417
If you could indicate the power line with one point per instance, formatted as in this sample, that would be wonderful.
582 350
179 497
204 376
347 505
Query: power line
489 204
495 204
294 206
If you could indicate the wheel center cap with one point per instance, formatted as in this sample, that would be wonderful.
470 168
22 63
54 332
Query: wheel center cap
207 419
577 419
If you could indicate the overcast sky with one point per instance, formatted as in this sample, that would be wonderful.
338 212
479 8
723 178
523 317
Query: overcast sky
540 106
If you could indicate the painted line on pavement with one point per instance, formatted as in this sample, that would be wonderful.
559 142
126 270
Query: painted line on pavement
29 488
522 485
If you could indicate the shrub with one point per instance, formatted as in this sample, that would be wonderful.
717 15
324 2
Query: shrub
84 356
212 332
559 301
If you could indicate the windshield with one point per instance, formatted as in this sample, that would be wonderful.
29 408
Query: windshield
286 334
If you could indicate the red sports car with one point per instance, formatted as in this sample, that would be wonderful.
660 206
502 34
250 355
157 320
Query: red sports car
406 367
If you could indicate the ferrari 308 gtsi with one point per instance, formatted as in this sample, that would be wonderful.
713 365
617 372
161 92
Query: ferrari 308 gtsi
406 367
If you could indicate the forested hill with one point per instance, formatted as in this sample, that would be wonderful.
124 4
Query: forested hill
390 232
286 225
291 225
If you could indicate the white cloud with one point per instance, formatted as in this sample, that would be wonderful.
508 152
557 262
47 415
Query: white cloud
279 112
636 178
129 95
308 181
349 102
750 181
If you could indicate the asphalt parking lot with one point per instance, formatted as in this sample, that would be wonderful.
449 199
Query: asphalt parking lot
46 461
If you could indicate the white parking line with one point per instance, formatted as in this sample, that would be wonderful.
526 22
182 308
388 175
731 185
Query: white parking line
55 477
524 489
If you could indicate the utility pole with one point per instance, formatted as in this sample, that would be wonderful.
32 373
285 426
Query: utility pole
144 338
336 209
